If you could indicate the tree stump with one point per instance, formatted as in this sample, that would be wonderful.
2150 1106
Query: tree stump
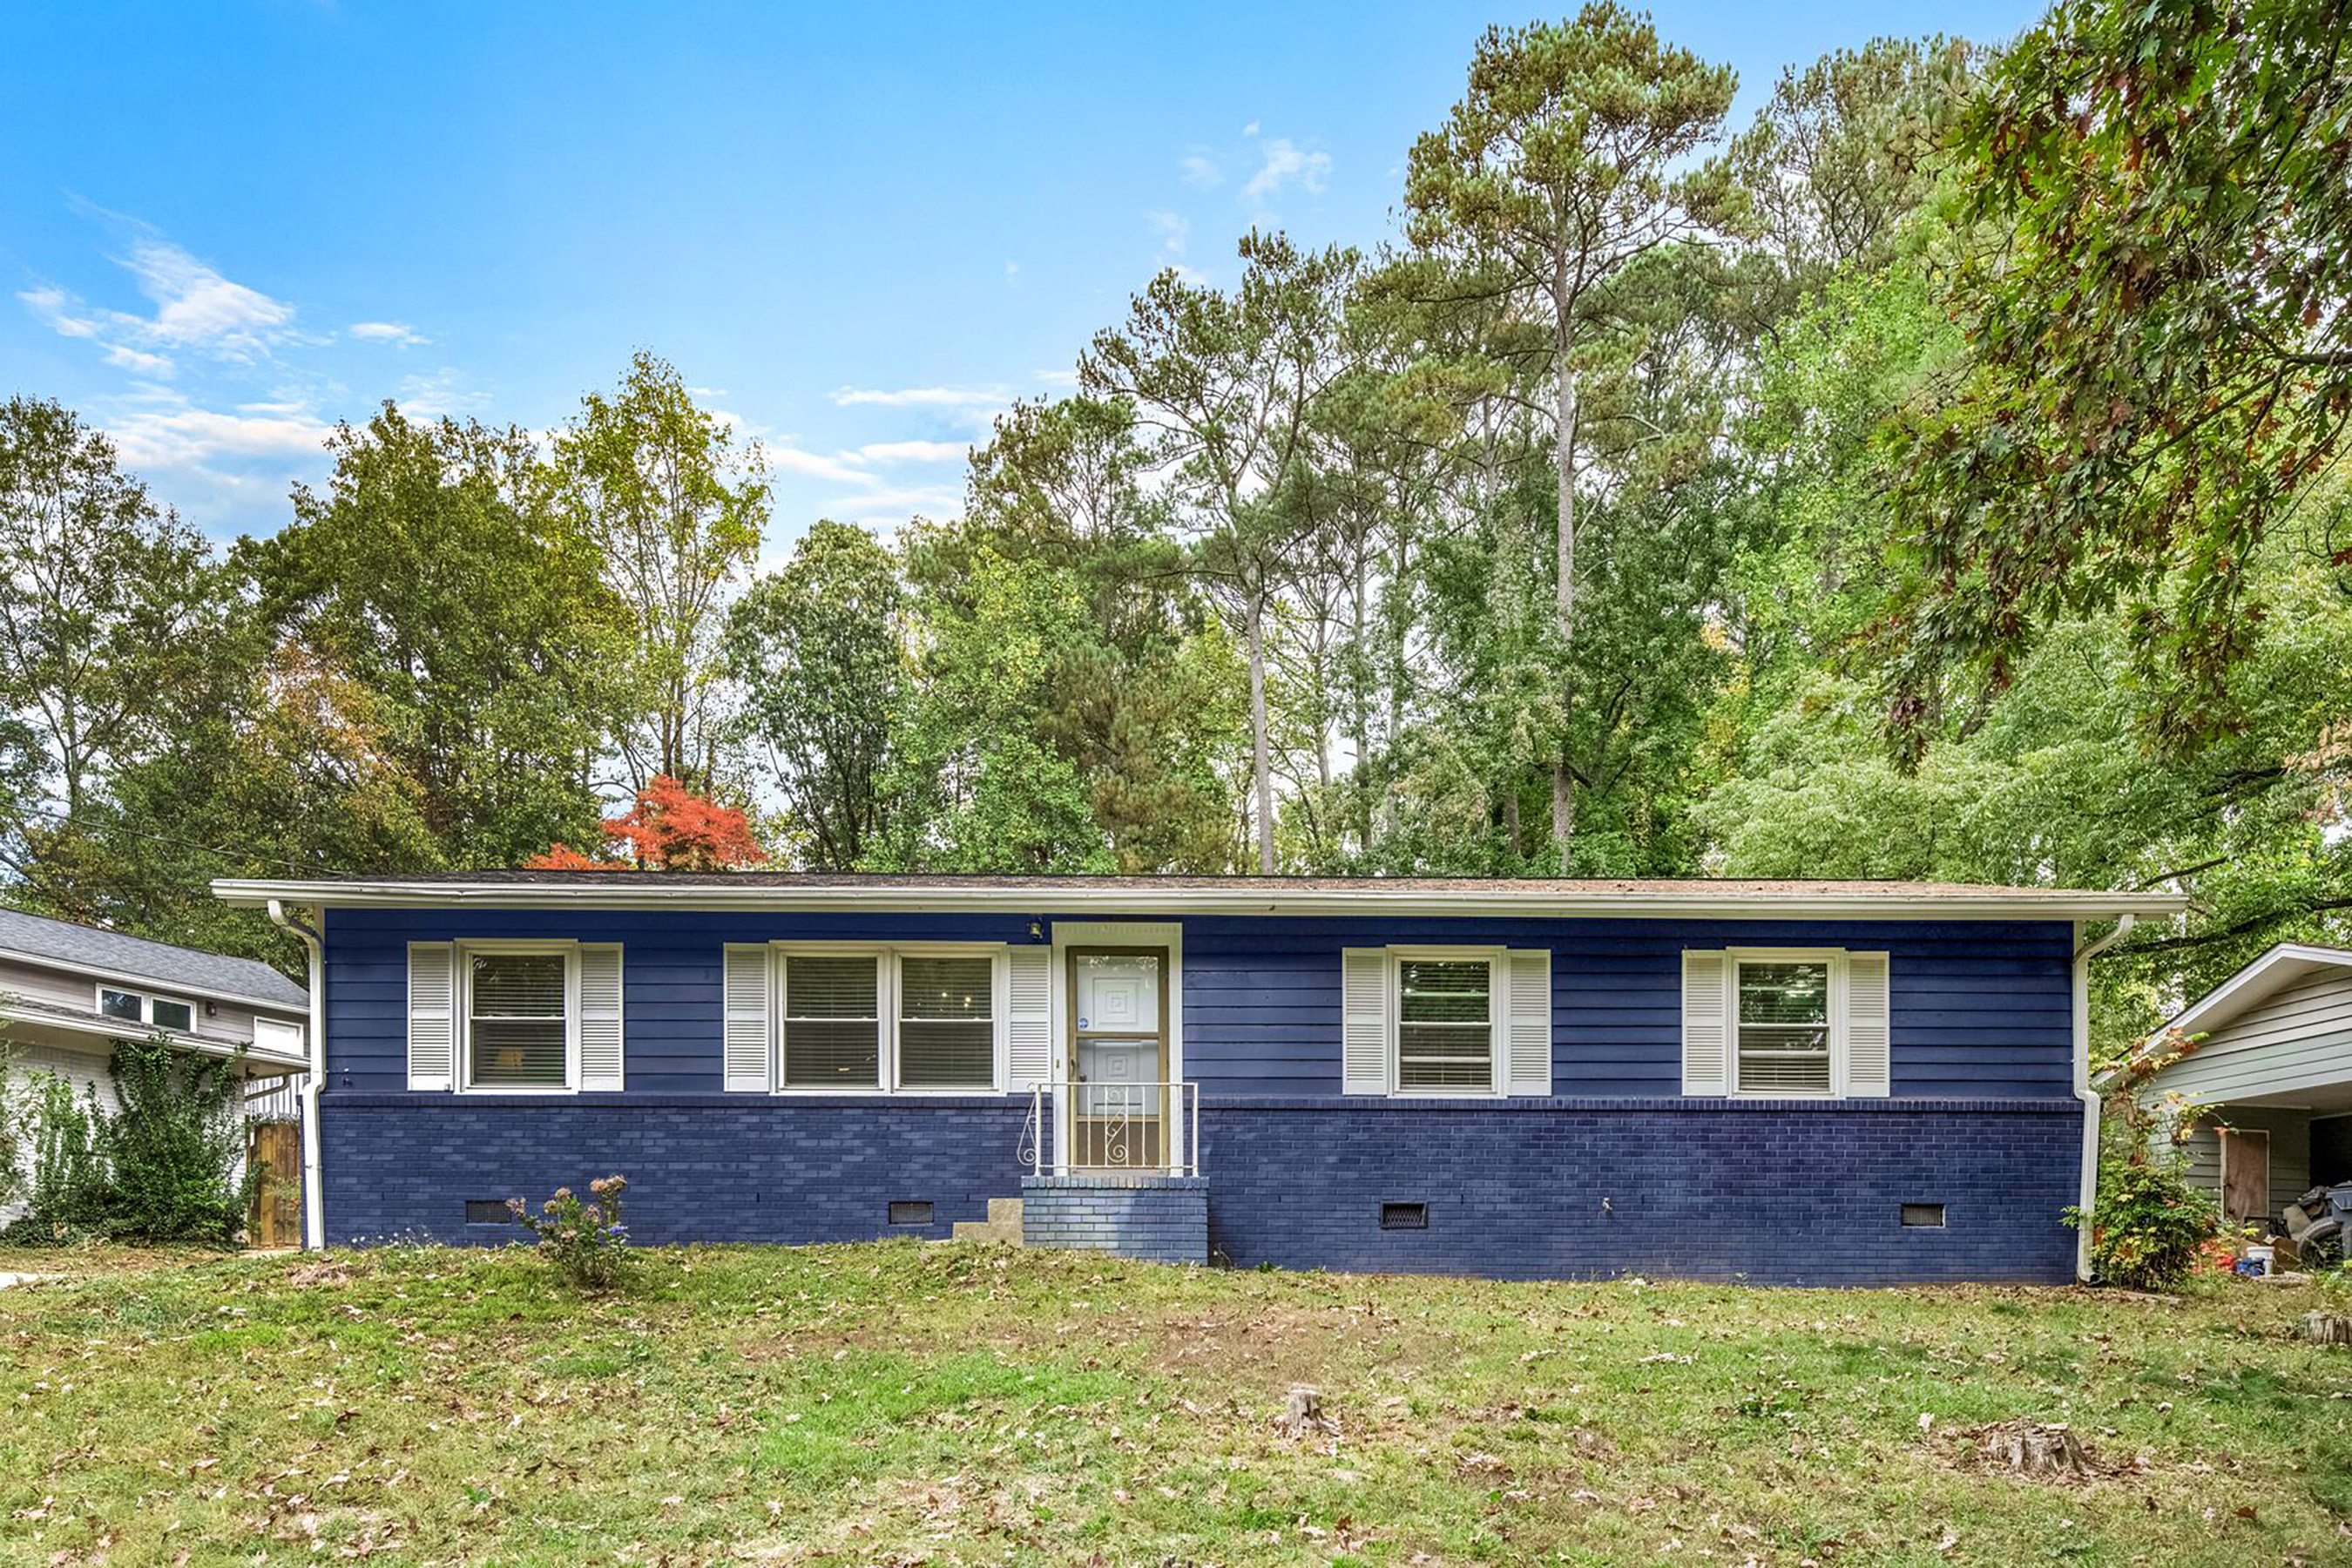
1303 1415
2327 1329
2038 1450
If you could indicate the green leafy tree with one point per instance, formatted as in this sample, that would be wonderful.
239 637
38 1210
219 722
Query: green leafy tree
105 602
1564 163
2158 307
1844 151
1144 697
438 582
818 649
1224 384
676 509
981 790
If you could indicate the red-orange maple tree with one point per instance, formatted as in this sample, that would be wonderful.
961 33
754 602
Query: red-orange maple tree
670 828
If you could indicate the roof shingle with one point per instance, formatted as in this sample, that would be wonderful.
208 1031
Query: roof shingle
64 943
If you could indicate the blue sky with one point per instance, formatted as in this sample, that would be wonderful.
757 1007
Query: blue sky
859 230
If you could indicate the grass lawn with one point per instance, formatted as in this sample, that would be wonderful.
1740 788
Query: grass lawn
905 1403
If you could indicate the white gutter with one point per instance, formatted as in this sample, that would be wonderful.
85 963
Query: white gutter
2089 1192
314 1218
1369 898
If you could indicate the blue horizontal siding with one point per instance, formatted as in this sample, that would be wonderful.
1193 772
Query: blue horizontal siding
1980 1008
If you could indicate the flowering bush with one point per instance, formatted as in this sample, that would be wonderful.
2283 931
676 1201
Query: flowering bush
2150 1227
587 1242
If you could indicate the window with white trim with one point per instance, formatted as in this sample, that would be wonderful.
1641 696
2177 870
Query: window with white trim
1446 1024
831 1035
947 1020
1783 1023
518 1019
139 1007
1787 1022
923 1018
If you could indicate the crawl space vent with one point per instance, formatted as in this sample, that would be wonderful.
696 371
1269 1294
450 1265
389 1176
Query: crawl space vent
1923 1216
1404 1216
910 1214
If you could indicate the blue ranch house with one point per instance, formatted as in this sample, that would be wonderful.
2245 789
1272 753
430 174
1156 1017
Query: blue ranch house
1806 1082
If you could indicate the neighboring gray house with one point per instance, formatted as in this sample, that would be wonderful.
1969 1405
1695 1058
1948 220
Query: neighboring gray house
68 992
2272 1075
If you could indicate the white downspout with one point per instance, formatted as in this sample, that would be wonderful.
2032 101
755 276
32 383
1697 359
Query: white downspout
314 1218
2083 1091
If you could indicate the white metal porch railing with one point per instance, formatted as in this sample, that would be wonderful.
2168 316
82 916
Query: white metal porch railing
1140 1128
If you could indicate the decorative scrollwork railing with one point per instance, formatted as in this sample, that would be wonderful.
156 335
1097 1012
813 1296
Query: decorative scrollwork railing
1146 1127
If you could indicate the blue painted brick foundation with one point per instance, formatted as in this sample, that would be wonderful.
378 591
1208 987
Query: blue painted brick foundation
1163 1219
700 1167
1774 1192
1781 1192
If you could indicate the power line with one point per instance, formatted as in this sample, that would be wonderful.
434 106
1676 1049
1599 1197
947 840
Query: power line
225 857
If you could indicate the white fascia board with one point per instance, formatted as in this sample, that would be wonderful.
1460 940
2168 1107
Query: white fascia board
103 1028
1993 904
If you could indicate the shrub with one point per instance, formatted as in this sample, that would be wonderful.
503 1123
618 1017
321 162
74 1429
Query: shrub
174 1147
586 1243
66 1189
2148 1227
15 1121
161 1168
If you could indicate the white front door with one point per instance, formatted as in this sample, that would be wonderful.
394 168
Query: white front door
1119 1056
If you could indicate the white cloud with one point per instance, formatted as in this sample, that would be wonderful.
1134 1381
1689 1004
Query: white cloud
447 392
139 362
188 438
921 398
816 466
1251 129
1172 228
1200 170
1286 163
400 334
1012 270
911 452
197 310
878 507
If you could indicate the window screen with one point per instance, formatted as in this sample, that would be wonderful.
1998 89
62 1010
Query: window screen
172 1014
947 1022
1445 1037
123 1005
1784 1027
832 1023
514 1020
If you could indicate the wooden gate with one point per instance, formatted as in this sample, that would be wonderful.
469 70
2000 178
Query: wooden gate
277 1217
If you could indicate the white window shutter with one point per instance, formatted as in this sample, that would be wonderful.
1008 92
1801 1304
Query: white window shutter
1869 1059
600 1016
1029 1021
1527 1050
749 1041
1707 1028
432 1015
1364 1020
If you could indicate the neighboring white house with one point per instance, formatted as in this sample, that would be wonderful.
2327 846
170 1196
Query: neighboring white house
2270 1071
69 992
